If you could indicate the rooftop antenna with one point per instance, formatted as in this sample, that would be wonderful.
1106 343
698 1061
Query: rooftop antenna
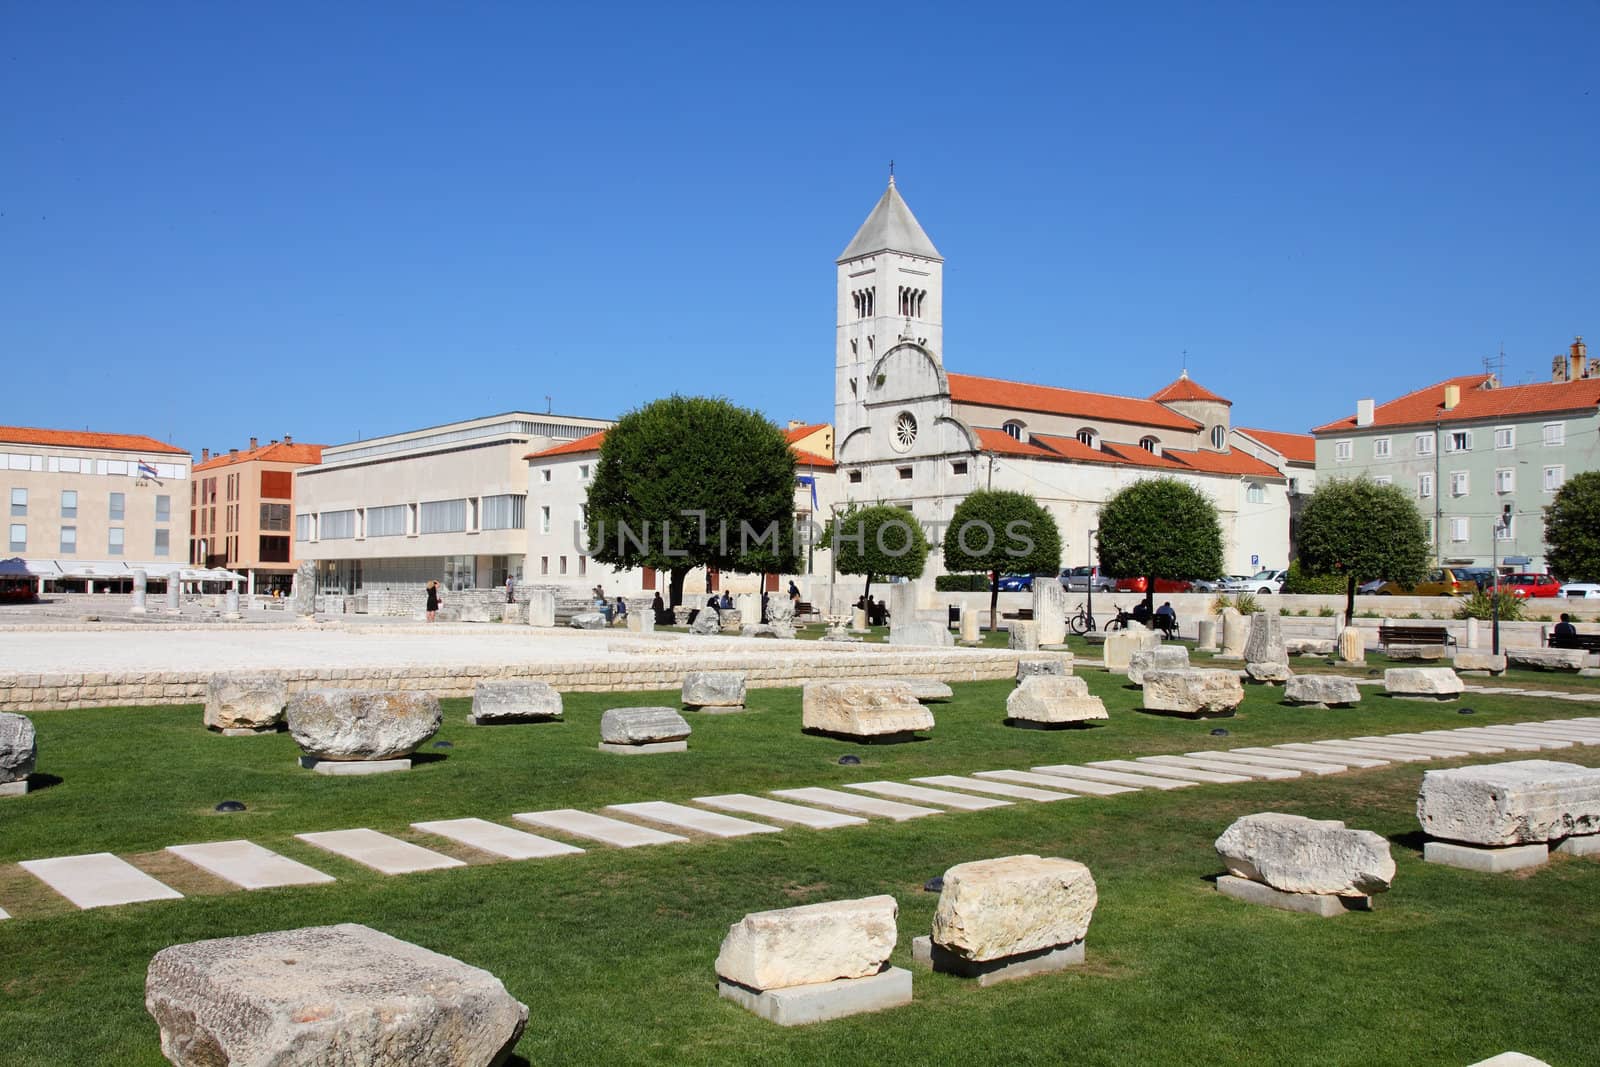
1185 371
547 403
1496 365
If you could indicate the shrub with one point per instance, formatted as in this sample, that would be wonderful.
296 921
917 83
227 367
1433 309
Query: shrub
1245 604
1480 605
1412 615
1222 600
963 583
1326 612
1298 581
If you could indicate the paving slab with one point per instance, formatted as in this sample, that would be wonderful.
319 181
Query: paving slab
1188 774
801 1004
500 840
942 797
683 817
1304 764
1390 753
778 811
1543 740
1582 732
385 854
1487 860
1100 774
1476 745
853 802
1509 742
1296 751
1085 786
999 789
1440 749
98 880
1325 905
597 828
1271 774
248 865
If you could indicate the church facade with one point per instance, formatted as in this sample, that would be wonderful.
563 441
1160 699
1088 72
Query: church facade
911 433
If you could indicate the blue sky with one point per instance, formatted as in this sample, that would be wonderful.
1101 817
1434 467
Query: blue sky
335 221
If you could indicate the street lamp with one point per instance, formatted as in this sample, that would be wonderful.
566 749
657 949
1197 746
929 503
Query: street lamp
1088 545
1500 525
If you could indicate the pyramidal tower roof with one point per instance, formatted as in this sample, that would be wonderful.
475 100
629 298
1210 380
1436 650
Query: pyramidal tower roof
890 228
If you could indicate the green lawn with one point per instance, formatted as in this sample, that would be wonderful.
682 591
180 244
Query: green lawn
613 950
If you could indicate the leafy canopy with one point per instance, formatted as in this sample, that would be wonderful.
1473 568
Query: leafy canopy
1161 528
999 530
881 541
1572 529
1357 528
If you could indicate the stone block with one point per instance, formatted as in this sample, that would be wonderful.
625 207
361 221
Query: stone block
809 944
1265 644
1119 648
332 994
1014 905
1515 803
929 690
1161 658
1486 860
1294 854
1418 653
1325 905
1050 611
714 689
1023 636
359 724
707 622
1235 633
1206 634
1193 691
1055 700
1272 673
991 972
971 633
1547 659
920 633
1479 662
1054 667
19 748
541 607
1310 646
800 1005
354 768
253 702
588 620
1440 683
495 702
1321 691
1352 645
642 726
1585 845
863 708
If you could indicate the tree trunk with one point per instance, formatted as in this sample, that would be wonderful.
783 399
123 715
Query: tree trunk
675 585
1350 601
1150 596
994 600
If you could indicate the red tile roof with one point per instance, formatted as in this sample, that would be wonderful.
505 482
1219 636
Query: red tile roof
992 440
123 442
1186 388
277 452
1021 396
1426 405
800 433
592 443
1294 447
1070 449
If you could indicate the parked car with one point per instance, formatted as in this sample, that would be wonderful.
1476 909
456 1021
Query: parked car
1206 585
1163 585
1268 581
1370 588
1530 585
1443 581
1081 579
1016 583
1581 590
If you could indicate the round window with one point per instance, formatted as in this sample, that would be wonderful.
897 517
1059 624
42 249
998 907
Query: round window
905 431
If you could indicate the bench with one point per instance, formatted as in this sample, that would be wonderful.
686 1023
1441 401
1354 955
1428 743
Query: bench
1021 614
1587 642
1414 635
804 609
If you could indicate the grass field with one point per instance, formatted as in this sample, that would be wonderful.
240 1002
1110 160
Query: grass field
612 950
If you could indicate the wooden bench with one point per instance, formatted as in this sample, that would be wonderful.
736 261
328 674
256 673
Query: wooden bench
1587 642
804 609
1021 614
1414 635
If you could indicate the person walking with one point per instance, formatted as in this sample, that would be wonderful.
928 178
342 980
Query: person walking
794 592
511 589
432 604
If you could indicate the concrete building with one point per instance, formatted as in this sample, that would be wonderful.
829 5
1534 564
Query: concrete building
914 434
383 517
241 511
85 510
1481 459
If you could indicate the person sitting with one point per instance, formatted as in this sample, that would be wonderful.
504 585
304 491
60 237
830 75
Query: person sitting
726 603
662 613
877 613
619 613
1141 613
1564 628
1166 619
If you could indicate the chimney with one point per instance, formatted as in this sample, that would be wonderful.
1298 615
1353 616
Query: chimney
274 440
254 444
1452 397
1364 412
1576 360
288 440
233 451
205 454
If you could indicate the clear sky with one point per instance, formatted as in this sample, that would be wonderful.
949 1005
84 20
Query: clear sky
340 220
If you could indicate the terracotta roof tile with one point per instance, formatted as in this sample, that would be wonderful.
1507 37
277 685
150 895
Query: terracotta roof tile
800 433
1021 396
1426 406
124 442
1294 447
811 459
1070 449
1186 388
592 443
277 452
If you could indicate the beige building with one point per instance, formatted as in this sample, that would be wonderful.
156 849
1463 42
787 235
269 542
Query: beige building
85 510
241 511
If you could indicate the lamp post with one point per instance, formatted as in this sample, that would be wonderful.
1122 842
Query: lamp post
1494 567
1089 551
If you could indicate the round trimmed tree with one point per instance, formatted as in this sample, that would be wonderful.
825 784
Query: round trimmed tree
1572 529
1160 528
997 530
881 541
1362 531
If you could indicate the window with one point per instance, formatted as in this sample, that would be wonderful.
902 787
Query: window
338 525
19 502
276 516
544 475
544 564
1459 441
163 509
1255 493
1555 434
302 527
69 540
855 477
583 564
544 519
958 466
1459 483
864 301
508 512
272 549
563 564
19 537
69 503
905 473
1505 437
905 431
1458 529
1505 480
1219 437
1553 478
1424 485
1013 429
163 542
1384 479
387 521
1150 444
583 472
1343 450
118 505
440 516
1424 444
1504 530
1380 448
114 541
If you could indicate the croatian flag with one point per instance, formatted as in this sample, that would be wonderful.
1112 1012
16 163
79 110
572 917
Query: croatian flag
146 470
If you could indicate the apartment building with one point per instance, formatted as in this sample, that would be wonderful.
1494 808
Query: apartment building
241 511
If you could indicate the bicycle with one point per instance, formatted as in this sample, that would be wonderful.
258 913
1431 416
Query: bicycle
1082 622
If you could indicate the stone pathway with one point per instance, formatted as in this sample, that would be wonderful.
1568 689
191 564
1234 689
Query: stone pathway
102 880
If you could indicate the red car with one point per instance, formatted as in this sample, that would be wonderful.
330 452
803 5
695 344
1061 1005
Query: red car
1530 585
1163 585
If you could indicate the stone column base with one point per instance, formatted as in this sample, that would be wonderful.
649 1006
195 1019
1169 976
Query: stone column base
989 972
1488 860
1325 905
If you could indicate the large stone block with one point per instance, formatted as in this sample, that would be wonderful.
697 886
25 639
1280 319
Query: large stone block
1193 691
1119 648
642 726
918 632
809 944
588 620
1054 700
1298 855
514 701
1023 636
1054 667
1266 643
707 622
1310 646
245 701
713 689
342 994
1273 672
929 690
991 909
1235 633
1206 635
1321 691
780 616
1050 611
19 748
1467 659
1547 659
863 708
1352 645
1438 682
541 607
1161 658
359 724
1518 803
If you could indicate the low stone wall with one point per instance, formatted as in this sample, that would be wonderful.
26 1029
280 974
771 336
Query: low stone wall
43 692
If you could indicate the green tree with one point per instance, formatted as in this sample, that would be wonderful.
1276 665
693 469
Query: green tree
1572 529
1160 528
690 481
1363 531
996 530
880 541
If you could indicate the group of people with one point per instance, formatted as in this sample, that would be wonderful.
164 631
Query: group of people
877 611
617 611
